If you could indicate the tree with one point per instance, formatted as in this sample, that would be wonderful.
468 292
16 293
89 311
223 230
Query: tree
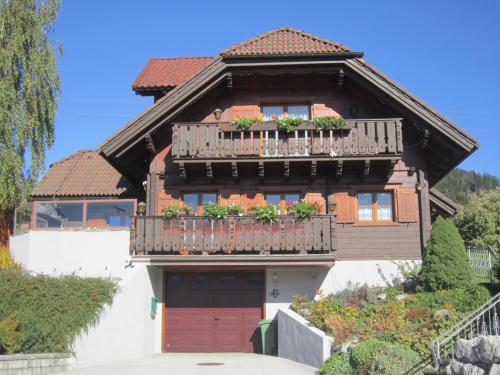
29 87
479 220
445 264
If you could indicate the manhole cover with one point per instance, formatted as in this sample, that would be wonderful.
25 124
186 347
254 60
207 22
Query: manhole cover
210 364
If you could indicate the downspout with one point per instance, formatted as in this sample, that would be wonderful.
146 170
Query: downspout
420 212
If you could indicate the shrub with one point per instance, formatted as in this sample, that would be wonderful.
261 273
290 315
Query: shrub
364 353
337 364
11 335
394 359
357 296
6 260
445 264
51 311
174 211
341 327
288 124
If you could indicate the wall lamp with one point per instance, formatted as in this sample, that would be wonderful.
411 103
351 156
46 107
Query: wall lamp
332 205
141 209
218 114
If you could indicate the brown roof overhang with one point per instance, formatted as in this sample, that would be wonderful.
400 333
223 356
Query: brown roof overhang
441 203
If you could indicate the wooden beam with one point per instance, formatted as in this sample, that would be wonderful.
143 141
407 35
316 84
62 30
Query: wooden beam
229 83
182 170
210 172
150 145
366 169
340 79
425 140
340 167
390 169
286 168
314 165
261 169
234 170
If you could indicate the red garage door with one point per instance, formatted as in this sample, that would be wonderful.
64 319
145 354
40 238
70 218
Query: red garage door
213 312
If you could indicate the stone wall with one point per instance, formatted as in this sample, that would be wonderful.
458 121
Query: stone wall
35 364
478 356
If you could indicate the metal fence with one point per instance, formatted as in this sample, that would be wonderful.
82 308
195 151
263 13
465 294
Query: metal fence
482 261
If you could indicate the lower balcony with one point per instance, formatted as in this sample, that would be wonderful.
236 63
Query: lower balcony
236 235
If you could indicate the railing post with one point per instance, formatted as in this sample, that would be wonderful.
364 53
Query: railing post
132 235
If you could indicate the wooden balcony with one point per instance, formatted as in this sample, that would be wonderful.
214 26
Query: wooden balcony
191 235
212 142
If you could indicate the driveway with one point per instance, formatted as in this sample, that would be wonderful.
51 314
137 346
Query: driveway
204 364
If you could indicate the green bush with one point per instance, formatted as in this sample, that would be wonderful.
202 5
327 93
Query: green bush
11 335
288 124
364 354
394 359
303 210
337 364
244 123
214 211
51 311
445 264
329 122
267 214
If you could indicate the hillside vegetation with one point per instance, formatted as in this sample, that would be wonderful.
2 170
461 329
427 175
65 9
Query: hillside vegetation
459 184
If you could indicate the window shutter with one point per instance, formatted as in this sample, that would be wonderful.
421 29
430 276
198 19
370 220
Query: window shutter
407 206
346 207
239 111
316 198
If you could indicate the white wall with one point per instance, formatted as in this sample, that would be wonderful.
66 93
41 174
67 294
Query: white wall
85 253
310 281
301 342
125 329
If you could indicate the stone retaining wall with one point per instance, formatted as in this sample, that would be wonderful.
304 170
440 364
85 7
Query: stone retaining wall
35 364
477 356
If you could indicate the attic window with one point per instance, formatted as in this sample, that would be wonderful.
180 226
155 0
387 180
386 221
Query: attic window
275 111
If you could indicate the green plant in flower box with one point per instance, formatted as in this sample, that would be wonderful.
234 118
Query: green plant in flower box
172 211
234 209
245 123
214 211
329 122
303 210
267 214
288 124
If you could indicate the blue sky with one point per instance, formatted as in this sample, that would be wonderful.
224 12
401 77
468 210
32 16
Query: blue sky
445 52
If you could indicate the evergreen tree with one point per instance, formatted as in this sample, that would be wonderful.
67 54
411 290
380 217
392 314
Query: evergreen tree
29 87
445 264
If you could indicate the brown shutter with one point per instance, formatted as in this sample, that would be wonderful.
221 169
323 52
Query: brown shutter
407 205
239 111
346 207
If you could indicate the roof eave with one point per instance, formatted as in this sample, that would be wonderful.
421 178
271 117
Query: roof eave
292 55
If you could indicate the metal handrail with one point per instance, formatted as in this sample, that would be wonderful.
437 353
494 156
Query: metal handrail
482 321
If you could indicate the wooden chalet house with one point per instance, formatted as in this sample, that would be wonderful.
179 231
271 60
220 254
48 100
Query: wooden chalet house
371 177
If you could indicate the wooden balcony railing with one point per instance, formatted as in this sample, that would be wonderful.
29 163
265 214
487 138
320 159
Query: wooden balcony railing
212 141
237 234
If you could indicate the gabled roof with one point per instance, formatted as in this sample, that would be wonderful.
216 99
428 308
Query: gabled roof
442 204
285 41
167 73
84 173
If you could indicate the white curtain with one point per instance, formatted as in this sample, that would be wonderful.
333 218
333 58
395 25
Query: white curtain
384 213
365 213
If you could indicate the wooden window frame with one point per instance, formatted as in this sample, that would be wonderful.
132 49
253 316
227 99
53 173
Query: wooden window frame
285 107
374 206
84 214
282 204
199 209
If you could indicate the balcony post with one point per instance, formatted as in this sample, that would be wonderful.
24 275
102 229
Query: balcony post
132 235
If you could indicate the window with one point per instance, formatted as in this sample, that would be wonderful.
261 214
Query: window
109 214
197 200
271 112
375 206
84 214
282 200
59 215
23 218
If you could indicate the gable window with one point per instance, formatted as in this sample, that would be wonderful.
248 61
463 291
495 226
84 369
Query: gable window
197 200
282 200
274 111
375 206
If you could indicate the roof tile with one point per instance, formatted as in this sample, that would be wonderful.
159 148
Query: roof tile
84 173
169 72
285 41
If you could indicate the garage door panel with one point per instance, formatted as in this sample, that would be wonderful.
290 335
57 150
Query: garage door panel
213 312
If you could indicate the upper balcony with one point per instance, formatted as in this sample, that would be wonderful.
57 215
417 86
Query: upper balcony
374 139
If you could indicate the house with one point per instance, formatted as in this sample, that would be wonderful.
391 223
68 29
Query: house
195 284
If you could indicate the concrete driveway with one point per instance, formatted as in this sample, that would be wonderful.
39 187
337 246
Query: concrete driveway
204 364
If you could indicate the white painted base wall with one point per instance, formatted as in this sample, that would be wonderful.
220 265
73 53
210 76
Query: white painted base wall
312 281
301 342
